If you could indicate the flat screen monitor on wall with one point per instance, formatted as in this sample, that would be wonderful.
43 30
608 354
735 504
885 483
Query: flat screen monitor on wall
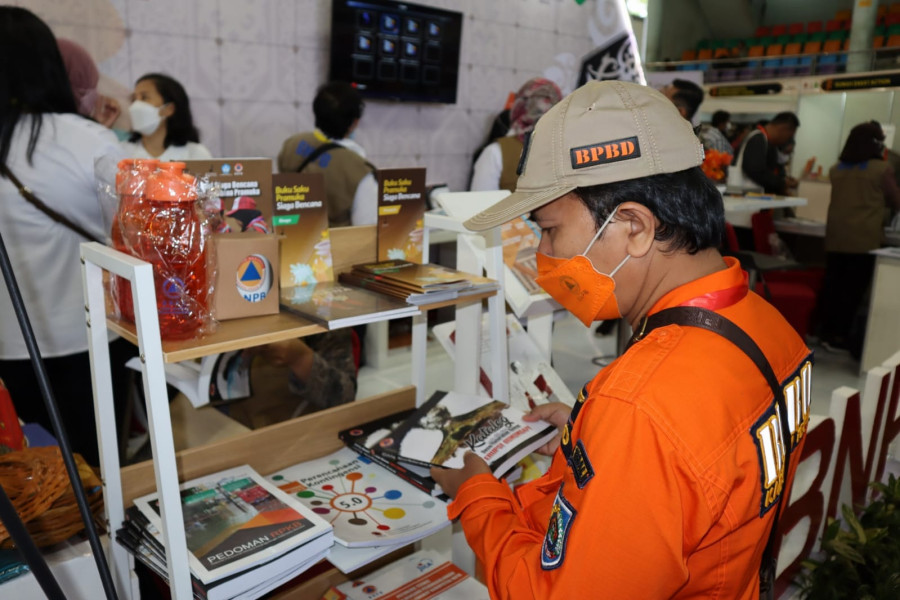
396 50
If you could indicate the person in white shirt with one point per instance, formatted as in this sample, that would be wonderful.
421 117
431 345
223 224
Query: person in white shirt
51 150
161 121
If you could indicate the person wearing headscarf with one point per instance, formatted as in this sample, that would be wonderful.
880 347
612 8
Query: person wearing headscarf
84 77
496 166
863 189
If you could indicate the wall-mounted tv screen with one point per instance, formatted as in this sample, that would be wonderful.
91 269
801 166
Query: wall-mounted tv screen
396 50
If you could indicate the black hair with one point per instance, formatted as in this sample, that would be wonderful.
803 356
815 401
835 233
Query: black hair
865 142
720 117
33 78
786 118
689 96
686 203
336 106
180 127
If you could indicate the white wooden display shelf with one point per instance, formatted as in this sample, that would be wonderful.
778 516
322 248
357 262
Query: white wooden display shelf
264 449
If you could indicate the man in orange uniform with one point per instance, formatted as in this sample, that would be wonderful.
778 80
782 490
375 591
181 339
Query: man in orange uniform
669 470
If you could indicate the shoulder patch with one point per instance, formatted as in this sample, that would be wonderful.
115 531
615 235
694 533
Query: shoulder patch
602 153
553 551
766 432
581 465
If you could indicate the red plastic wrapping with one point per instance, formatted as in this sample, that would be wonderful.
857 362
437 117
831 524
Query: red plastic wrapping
160 221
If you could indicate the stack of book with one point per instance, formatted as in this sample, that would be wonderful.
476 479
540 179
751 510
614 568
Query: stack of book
372 512
417 283
245 536
422 575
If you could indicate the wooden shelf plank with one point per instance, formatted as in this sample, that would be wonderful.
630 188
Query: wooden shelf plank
237 334
230 335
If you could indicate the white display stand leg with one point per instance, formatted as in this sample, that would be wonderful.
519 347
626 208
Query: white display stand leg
96 258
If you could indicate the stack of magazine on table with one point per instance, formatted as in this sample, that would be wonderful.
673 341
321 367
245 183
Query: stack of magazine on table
245 536
417 283
423 575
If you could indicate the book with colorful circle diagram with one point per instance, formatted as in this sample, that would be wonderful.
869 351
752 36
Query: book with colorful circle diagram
365 504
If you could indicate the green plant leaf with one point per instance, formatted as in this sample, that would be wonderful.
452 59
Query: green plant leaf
852 521
847 551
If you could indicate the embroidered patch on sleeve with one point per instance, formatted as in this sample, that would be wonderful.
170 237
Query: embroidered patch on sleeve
581 465
553 552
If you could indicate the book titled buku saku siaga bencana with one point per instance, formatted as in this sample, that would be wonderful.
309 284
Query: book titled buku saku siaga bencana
449 424
235 520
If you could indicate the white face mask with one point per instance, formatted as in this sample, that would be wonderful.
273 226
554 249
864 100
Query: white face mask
145 118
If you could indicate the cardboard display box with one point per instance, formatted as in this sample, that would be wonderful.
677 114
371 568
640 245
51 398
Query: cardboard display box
246 275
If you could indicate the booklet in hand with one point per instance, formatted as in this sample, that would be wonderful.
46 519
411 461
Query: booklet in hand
449 424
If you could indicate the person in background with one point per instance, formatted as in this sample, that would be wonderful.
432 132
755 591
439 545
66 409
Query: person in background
161 122
751 166
50 149
863 190
350 186
652 493
686 95
298 376
714 135
84 77
495 168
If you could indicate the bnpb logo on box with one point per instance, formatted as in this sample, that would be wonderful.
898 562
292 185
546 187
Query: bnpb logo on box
254 278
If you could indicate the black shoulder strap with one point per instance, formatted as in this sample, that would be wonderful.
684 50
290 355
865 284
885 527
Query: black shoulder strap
319 151
26 193
693 316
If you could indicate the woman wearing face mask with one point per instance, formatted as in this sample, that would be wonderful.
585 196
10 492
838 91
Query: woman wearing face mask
162 123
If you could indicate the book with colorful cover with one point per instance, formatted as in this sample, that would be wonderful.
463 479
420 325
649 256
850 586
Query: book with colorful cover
235 520
143 540
365 504
401 214
423 575
449 424
301 218
240 192
532 380
520 238
363 438
335 305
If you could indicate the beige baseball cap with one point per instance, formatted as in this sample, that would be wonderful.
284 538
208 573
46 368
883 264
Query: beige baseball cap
605 131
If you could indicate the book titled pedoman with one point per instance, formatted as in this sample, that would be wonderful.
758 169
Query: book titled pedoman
142 540
449 424
235 520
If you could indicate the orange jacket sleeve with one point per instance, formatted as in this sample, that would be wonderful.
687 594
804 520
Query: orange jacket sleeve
629 534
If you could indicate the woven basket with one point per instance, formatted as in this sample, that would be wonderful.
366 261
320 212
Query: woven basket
36 481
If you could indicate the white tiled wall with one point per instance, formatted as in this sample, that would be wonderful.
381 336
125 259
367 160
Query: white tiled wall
251 68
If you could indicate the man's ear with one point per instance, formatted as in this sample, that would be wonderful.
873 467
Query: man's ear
641 227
